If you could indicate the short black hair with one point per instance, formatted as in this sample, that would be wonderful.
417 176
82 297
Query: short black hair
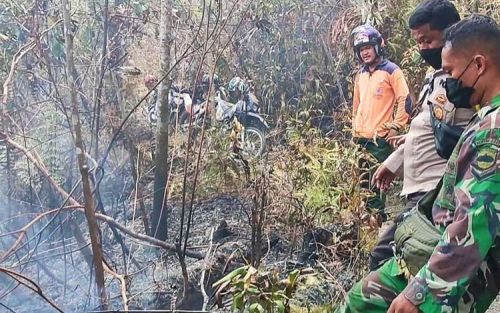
477 33
439 14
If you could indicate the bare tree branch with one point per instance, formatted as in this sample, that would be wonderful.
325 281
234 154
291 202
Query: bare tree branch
30 284
104 218
206 298
17 58
38 163
123 284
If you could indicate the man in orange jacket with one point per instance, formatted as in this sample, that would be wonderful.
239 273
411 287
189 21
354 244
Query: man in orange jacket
380 96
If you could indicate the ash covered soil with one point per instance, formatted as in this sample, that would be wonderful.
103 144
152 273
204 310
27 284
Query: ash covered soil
155 279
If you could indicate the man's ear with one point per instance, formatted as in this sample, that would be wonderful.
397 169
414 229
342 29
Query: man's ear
480 62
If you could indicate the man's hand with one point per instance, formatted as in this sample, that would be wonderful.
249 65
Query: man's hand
390 128
402 305
391 133
396 141
383 178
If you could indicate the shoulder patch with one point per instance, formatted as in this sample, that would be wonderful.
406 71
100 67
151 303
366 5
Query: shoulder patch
486 162
438 112
441 99
487 157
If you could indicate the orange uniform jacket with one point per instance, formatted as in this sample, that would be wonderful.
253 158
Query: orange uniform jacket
379 101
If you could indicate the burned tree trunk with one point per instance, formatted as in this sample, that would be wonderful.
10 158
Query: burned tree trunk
82 161
159 217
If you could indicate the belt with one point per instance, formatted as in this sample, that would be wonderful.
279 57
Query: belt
413 195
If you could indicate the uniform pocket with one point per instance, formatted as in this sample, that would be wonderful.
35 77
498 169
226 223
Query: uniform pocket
416 239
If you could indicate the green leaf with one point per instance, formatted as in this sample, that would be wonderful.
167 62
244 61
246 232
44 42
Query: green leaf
293 277
256 308
88 36
57 49
253 290
231 275
238 301
280 305
251 271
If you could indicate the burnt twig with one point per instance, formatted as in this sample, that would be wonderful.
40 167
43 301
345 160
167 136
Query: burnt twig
30 284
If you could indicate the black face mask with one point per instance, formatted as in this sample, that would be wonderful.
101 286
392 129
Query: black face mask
456 93
432 57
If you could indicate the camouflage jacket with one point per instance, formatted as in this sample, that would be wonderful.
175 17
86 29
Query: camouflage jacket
466 212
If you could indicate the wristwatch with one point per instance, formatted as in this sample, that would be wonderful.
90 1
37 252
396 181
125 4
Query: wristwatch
415 291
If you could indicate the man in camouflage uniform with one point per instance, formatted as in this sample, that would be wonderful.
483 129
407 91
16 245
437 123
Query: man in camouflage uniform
463 272
417 157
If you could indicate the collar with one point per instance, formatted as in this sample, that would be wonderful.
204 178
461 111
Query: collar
439 72
366 68
495 102
492 105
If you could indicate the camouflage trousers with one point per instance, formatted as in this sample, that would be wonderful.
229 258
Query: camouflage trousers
375 293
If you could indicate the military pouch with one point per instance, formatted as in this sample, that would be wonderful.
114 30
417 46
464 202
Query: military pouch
416 237
445 136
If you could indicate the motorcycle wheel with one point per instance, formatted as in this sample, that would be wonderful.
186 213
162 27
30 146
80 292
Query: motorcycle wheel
173 121
254 143
184 120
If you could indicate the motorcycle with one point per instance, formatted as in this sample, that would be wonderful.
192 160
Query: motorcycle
180 102
251 138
